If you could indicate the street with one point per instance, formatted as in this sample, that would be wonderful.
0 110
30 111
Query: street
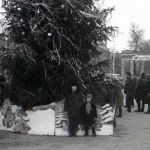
132 133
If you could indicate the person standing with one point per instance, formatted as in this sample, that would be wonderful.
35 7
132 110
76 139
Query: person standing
119 95
111 97
141 92
135 79
73 101
148 95
129 90
89 114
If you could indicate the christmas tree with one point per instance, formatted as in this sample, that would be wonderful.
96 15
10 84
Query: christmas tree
49 43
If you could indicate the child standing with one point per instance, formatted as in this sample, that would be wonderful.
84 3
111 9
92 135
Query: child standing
89 114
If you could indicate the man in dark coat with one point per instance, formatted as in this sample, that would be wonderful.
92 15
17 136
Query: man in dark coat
141 92
135 79
111 96
111 91
148 95
73 101
129 90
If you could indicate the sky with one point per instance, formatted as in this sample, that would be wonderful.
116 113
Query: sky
127 12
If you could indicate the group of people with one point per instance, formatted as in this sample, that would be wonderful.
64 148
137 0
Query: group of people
137 88
106 89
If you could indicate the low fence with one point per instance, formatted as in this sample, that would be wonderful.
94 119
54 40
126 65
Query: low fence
50 120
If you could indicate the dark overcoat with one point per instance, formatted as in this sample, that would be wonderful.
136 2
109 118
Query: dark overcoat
129 87
88 119
73 101
119 94
147 100
111 97
141 88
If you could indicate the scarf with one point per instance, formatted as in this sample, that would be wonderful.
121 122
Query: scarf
88 107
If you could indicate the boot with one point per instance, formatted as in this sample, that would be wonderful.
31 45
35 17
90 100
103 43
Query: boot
120 112
86 131
142 109
148 111
93 131
129 109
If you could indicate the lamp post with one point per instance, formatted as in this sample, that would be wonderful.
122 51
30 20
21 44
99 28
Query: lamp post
113 60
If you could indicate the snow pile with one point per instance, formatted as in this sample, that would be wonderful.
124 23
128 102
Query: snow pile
42 122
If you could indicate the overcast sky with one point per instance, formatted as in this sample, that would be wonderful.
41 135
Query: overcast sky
126 12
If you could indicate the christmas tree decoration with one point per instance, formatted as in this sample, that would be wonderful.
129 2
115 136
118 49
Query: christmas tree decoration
49 34
19 9
21 20
23 33
38 11
35 26
62 6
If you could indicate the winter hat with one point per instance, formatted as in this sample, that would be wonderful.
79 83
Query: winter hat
89 95
74 84
116 78
128 73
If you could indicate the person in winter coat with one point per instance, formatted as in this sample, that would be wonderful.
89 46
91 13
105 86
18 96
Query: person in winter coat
111 91
129 90
89 114
141 92
148 95
135 79
73 101
111 97
119 95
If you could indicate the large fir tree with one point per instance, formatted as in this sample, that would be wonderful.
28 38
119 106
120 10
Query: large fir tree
49 44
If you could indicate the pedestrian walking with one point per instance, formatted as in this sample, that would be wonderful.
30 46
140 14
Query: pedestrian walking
141 92
129 90
89 114
73 101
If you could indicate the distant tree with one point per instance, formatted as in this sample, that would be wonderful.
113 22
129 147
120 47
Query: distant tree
136 37
135 41
145 48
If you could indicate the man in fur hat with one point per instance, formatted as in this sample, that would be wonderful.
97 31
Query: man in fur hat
73 101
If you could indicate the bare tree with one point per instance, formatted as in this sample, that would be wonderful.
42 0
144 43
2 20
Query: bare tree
136 40
136 37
